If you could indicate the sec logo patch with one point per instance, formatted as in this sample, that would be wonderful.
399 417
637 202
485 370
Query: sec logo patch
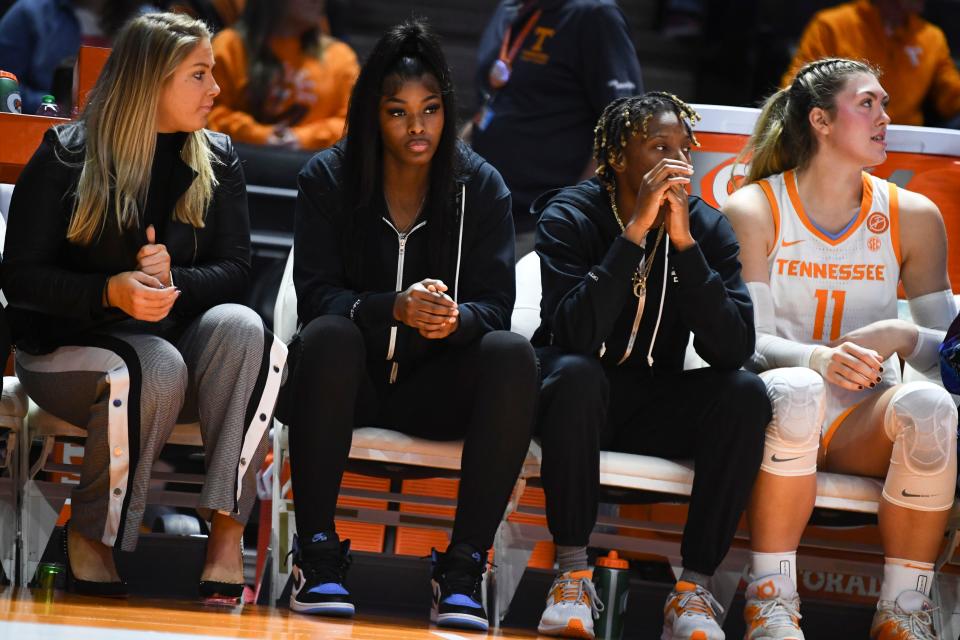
874 243
877 222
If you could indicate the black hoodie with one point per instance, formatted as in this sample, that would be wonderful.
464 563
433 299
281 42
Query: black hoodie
477 258
588 303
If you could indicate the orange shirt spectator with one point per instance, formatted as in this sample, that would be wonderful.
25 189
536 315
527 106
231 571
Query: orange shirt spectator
304 103
913 55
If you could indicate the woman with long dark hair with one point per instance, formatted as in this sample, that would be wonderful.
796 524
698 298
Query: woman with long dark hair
404 272
127 248
283 81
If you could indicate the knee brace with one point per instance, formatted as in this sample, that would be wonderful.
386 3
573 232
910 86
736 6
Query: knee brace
921 420
798 399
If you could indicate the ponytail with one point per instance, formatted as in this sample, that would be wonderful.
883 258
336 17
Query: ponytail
783 138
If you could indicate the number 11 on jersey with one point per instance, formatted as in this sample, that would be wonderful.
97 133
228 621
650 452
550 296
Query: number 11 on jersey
822 296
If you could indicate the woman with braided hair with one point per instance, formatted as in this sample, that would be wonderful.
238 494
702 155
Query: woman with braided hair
631 266
825 246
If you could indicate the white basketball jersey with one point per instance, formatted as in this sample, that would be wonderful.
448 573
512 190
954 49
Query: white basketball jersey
823 287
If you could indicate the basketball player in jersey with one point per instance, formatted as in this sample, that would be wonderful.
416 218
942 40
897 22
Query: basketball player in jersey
824 246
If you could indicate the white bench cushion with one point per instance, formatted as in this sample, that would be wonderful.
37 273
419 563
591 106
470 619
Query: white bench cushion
13 403
6 192
648 473
388 446
41 423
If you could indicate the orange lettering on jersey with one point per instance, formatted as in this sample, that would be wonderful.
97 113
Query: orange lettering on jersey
830 270
536 54
542 34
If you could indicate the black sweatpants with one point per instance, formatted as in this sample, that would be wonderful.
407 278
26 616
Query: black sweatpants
484 392
715 417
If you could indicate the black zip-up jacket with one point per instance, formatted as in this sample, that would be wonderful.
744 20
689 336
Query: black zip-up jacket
54 288
588 302
479 272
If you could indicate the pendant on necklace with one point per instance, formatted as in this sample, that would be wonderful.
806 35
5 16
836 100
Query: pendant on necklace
639 285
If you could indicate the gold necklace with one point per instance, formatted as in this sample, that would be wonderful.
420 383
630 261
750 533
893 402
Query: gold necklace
640 276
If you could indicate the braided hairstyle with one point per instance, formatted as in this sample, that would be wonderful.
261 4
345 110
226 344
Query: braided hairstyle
782 138
627 117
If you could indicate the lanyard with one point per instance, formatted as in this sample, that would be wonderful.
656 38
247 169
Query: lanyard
524 32
502 67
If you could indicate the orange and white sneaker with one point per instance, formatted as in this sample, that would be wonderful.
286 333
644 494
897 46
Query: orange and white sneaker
909 618
772 611
571 606
691 614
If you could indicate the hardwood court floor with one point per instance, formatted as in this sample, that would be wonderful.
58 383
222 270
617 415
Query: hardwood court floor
26 615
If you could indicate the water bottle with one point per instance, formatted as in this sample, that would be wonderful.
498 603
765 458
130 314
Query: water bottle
612 580
9 93
48 107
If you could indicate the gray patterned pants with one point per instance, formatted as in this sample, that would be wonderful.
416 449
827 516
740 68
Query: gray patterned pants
128 388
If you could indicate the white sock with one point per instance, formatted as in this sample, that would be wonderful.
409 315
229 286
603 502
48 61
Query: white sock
901 575
768 564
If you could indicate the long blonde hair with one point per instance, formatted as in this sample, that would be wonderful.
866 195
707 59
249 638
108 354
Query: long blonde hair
121 129
782 138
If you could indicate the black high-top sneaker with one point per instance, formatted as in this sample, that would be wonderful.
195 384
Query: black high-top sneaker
319 576
457 599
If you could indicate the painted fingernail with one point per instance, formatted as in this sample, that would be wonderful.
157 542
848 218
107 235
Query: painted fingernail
872 385
881 369
879 379
860 386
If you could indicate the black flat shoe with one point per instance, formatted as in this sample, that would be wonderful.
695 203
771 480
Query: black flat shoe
220 592
89 587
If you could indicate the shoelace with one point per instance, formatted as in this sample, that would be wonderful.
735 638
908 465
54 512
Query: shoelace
573 590
701 601
918 623
330 566
779 613
461 576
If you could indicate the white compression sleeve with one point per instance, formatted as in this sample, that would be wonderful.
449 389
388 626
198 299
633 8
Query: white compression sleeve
772 351
932 313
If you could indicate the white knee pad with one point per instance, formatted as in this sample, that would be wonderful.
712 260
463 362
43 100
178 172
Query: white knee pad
921 420
798 399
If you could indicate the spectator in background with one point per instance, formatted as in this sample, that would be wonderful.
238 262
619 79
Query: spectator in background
38 37
283 82
545 70
217 14
912 53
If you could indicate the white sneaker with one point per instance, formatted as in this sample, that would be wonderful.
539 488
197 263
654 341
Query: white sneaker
691 614
772 611
571 607
909 618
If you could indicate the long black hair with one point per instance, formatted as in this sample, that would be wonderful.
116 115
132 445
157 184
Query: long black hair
408 51
259 21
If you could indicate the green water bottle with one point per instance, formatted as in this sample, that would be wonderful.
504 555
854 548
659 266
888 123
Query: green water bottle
612 579
9 93
49 576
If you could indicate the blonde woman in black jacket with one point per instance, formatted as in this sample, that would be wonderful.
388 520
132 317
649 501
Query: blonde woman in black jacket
127 247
